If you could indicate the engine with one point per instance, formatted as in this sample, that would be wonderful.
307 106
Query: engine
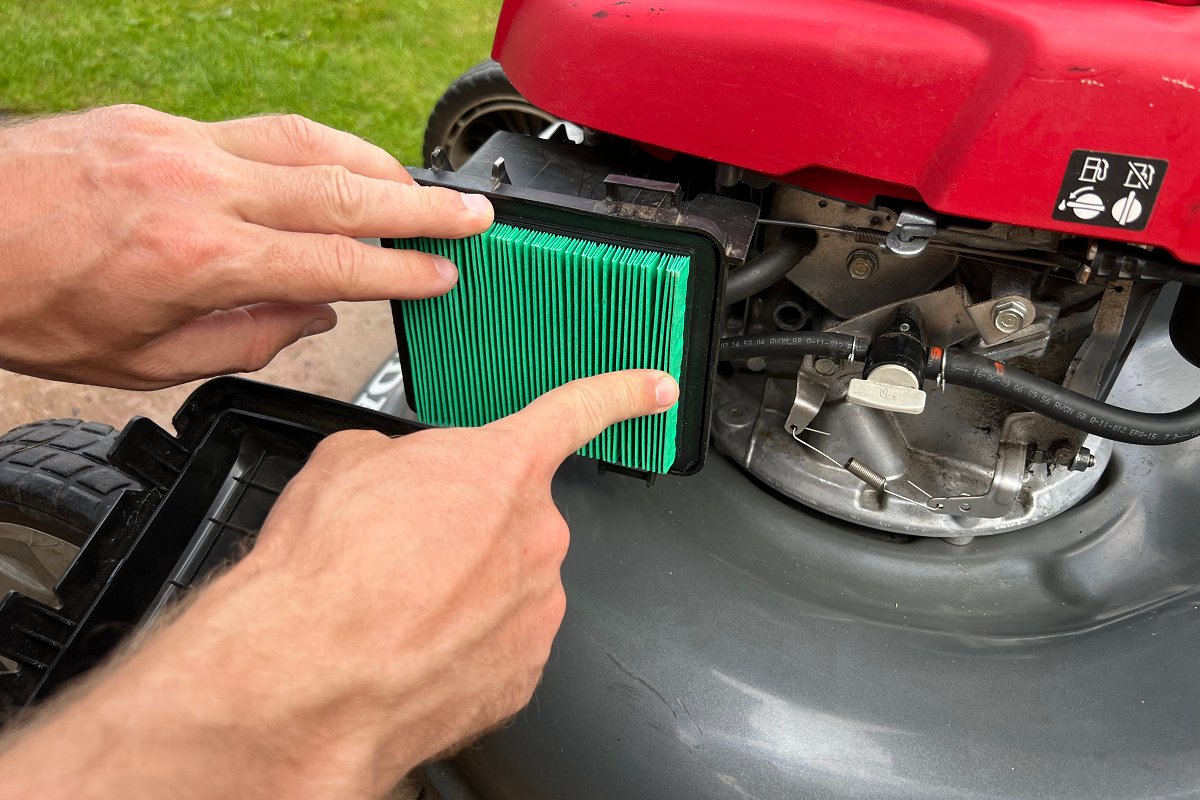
867 442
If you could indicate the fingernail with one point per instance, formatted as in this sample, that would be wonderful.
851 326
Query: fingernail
445 267
666 391
476 204
321 325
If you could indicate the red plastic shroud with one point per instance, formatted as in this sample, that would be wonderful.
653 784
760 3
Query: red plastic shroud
974 106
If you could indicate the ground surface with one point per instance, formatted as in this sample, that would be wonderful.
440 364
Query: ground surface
374 67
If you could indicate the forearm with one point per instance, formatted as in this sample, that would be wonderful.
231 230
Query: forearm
201 710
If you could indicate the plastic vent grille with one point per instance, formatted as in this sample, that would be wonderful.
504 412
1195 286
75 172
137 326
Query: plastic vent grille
533 310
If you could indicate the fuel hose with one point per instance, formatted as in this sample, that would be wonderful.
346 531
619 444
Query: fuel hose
970 371
793 345
766 269
1063 405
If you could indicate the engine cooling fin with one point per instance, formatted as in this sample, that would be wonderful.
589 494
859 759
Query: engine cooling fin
534 309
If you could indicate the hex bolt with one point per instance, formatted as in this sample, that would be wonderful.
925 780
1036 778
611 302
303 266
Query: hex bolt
1010 316
862 264
1084 459
825 366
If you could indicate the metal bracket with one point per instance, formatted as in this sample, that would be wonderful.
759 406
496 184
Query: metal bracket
982 314
1007 480
810 396
910 234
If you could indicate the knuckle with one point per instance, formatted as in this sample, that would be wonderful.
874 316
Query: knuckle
556 608
558 537
523 467
258 353
426 203
177 169
134 118
179 242
588 404
344 263
300 133
344 195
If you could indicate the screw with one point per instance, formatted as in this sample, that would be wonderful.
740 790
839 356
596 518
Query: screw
1010 316
862 264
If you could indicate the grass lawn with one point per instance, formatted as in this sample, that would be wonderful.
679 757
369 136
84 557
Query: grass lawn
374 67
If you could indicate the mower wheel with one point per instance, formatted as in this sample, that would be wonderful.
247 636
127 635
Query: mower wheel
55 474
478 104
56 486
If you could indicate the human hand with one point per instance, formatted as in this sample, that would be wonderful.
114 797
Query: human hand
402 597
141 250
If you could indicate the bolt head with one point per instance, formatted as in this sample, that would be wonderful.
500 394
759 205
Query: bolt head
1010 316
862 264
825 366
1084 459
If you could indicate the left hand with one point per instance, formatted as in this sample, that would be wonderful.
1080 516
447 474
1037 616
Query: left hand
140 250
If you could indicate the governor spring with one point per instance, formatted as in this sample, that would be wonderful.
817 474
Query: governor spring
867 475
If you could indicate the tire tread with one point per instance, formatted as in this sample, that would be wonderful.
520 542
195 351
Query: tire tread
59 468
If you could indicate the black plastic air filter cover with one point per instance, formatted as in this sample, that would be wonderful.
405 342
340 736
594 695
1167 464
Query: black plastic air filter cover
205 494
573 190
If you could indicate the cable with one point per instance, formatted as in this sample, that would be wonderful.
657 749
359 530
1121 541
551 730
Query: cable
796 345
766 269
1063 405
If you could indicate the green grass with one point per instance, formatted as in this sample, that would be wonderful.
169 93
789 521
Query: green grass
374 67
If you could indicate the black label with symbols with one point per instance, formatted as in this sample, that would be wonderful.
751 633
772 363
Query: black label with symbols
1109 190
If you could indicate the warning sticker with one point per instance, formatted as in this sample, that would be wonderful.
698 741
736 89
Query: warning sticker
1110 190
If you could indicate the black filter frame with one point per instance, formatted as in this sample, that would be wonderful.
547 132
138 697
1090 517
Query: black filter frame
714 232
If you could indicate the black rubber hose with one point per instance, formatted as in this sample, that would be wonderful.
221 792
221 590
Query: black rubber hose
793 345
766 269
1068 407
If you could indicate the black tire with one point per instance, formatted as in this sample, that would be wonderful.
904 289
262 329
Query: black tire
55 477
479 103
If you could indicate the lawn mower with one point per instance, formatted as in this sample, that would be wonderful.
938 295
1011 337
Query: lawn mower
922 524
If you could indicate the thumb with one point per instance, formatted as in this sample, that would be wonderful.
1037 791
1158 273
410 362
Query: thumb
565 419
242 339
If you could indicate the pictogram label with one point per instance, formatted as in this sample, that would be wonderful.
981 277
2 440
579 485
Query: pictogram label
1109 190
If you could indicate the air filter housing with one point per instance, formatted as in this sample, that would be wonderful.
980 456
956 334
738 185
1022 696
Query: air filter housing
565 286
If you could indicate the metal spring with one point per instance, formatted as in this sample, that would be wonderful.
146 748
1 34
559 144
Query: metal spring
867 475
870 236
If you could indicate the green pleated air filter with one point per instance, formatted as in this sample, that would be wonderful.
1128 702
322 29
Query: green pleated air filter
535 309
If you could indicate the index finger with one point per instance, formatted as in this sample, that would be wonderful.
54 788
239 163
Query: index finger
565 419
290 140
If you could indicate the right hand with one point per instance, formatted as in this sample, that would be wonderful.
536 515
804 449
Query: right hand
402 597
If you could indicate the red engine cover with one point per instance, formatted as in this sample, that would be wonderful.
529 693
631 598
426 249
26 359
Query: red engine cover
974 106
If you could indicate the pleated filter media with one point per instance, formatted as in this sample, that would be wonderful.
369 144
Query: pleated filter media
533 310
